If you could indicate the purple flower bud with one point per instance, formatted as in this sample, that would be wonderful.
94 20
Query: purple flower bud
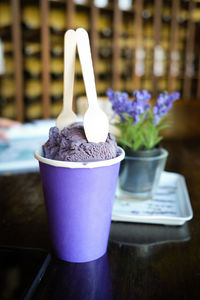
118 101
163 105
122 105
142 96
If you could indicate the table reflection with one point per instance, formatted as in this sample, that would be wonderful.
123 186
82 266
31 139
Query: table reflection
78 280
146 236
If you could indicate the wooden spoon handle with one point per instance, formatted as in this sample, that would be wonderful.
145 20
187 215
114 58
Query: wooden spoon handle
84 51
69 66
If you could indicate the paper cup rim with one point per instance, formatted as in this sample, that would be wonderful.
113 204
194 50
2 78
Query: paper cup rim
79 165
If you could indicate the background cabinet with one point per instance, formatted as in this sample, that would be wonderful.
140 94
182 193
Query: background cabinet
152 45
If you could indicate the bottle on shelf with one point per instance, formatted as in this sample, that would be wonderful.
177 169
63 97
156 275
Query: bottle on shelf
102 87
125 4
7 88
139 64
174 67
7 93
8 110
82 20
79 88
32 66
165 31
56 67
33 110
9 65
183 15
56 45
104 24
148 67
31 18
32 48
148 43
148 30
57 19
81 2
147 84
56 90
7 47
158 64
195 16
162 84
105 52
56 107
165 44
127 26
148 11
2 59
32 90
102 67
78 70
181 33
5 15
127 53
166 14
101 3
57 50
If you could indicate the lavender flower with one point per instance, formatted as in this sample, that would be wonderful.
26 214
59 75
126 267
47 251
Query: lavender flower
143 96
163 105
137 110
134 108
119 102
139 106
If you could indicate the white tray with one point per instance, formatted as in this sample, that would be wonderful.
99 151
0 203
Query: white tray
170 205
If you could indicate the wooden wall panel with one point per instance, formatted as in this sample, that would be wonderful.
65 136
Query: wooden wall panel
173 45
70 13
44 6
117 19
157 36
18 64
138 6
189 53
94 13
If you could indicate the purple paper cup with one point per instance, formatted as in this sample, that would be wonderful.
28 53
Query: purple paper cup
79 197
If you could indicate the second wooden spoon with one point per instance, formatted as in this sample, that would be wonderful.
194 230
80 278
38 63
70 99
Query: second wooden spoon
95 120
67 116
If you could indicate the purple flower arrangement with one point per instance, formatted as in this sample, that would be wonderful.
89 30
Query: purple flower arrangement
139 122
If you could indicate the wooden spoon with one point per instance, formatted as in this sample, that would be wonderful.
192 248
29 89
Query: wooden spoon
95 120
67 116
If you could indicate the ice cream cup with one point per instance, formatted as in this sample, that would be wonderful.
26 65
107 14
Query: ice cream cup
79 197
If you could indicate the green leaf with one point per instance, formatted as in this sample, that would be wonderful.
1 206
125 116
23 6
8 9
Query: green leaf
144 134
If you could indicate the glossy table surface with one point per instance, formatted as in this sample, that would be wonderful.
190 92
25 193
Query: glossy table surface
142 262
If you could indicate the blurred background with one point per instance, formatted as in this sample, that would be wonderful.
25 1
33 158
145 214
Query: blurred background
152 44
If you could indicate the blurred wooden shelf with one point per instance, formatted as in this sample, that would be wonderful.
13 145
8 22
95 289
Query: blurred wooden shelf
129 37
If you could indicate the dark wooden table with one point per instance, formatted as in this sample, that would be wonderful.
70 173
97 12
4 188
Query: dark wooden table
142 261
